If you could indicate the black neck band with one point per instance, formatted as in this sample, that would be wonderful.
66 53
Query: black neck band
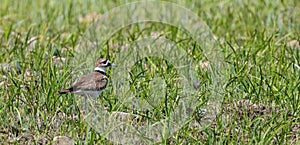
101 72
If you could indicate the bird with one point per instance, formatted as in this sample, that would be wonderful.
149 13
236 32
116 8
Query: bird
92 84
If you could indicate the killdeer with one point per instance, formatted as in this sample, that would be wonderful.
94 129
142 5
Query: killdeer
91 85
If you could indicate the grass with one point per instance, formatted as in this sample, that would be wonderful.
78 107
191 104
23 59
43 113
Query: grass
40 41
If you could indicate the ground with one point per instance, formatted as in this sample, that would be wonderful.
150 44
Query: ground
260 43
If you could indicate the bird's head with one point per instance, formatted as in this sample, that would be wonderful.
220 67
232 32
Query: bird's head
102 64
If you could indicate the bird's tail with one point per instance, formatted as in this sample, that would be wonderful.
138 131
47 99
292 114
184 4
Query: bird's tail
64 91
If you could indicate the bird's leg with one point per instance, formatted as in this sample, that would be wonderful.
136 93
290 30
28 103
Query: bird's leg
85 103
95 100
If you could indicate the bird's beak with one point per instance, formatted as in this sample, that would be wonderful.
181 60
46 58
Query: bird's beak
113 65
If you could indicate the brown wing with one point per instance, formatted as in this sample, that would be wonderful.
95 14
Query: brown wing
92 81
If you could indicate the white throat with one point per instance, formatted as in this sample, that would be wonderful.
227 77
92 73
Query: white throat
102 69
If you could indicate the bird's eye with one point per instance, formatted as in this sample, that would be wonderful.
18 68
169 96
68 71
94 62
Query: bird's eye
104 62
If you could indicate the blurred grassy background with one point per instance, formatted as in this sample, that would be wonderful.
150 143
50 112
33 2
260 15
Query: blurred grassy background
260 41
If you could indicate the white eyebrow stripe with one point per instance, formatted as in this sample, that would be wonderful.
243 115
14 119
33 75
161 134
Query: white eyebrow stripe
107 62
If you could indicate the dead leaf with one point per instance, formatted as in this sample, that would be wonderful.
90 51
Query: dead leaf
204 65
92 17
294 44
